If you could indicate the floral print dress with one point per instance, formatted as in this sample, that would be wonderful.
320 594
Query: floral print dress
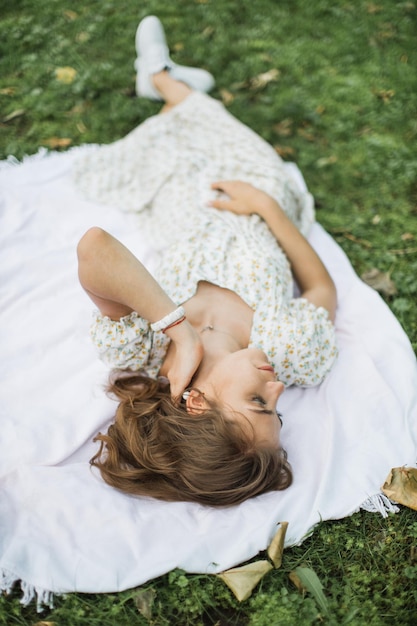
163 171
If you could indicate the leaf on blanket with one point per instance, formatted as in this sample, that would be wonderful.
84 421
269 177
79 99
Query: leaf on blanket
243 580
380 281
306 579
401 486
144 600
276 547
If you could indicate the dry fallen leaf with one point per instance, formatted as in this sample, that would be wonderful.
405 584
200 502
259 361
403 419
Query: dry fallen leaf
65 74
276 547
385 94
284 128
380 281
284 151
57 142
324 161
401 486
8 91
226 96
407 236
144 600
373 8
262 80
243 580
71 15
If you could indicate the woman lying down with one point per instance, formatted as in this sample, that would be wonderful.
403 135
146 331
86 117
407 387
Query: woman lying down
209 344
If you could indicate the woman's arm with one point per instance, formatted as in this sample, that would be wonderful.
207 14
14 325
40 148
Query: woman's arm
311 275
118 284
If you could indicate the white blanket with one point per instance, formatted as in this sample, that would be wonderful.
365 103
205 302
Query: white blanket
61 528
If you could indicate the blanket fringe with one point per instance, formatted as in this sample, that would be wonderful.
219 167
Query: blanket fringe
44 598
379 503
43 153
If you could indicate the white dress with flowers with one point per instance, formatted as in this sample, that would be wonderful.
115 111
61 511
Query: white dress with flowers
163 171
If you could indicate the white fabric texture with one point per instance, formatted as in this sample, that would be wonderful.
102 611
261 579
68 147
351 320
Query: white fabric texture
61 528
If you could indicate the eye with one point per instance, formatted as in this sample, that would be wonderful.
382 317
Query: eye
258 400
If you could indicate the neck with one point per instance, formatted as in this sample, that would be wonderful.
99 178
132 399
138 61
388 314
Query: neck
217 344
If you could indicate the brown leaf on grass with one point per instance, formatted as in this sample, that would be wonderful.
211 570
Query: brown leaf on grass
284 128
380 281
284 151
276 547
262 80
8 91
306 134
373 8
325 161
385 94
226 96
144 600
57 142
243 580
70 15
401 486
65 75
407 236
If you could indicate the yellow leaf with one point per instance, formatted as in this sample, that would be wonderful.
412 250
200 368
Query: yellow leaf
71 15
227 97
262 80
65 74
243 580
324 161
8 91
401 486
284 151
276 547
57 142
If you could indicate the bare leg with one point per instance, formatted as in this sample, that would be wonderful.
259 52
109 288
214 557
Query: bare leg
172 91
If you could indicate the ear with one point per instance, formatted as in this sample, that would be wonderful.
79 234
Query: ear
195 402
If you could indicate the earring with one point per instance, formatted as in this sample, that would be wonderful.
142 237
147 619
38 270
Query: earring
186 395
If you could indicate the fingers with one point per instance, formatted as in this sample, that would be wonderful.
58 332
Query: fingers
223 205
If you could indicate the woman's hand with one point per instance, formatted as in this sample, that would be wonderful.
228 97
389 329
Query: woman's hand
244 198
187 353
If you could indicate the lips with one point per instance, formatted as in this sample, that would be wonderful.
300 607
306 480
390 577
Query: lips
266 368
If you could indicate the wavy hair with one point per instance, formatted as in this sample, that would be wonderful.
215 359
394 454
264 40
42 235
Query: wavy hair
156 448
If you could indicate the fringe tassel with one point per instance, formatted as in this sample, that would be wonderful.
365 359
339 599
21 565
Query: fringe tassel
44 598
43 153
379 503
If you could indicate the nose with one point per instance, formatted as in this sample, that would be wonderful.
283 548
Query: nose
275 389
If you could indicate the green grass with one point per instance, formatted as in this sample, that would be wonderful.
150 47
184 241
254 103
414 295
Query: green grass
344 108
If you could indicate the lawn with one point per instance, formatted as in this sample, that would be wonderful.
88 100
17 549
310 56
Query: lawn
332 85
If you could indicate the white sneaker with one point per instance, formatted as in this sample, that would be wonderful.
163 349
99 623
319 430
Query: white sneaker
153 56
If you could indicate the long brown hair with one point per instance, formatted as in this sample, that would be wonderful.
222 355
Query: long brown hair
156 448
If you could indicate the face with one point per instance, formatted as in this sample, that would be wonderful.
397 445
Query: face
245 383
